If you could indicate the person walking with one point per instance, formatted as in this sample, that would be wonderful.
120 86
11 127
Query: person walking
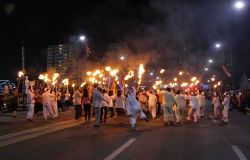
152 101
134 109
30 104
97 97
104 106
111 103
193 103
168 101
67 100
120 104
216 104
86 105
53 102
77 97
180 102
47 109
226 107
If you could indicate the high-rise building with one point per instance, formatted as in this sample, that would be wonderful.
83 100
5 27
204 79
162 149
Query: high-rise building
61 58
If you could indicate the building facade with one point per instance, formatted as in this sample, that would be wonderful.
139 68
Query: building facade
62 58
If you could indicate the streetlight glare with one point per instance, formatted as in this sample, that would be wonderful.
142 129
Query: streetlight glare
239 5
206 69
210 61
82 38
122 58
217 45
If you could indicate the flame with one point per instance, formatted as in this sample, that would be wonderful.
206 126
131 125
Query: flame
162 71
141 71
113 72
129 75
193 79
65 81
20 74
83 84
41 77
108 68
88 73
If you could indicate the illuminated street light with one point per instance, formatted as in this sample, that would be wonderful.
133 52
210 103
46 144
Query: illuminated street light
210 61
82 38
212 79
206 69
151 73
239 5
180 73
217 45
122 58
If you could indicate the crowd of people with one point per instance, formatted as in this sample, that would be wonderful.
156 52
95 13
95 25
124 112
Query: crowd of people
95 100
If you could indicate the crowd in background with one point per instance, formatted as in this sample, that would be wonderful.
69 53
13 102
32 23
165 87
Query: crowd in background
102 104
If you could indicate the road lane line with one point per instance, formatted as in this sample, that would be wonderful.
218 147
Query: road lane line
119 150
11 135
238 152
36 134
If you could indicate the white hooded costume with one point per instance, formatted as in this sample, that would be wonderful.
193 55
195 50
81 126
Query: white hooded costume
133 108
226 107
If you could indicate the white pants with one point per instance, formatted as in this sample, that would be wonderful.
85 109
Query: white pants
133 118
225 114
55 109
178 114
152 110
47 111
216 112
202 111
30 111
194 112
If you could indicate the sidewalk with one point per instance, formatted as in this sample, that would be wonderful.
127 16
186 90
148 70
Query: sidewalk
9 124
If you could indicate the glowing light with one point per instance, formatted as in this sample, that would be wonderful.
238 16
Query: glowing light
129 75
184 84
122 58
83 84
210 61
180 73
162 71
158 83
96 72
215 86
212 79
126 85
217 45
82 38
41 77
65 81
193 79
141 71
108 68
73 85
114 72
151 73
20 74
175 79
239 5
206 69
89 73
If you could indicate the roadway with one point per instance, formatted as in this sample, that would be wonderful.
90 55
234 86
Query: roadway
206 140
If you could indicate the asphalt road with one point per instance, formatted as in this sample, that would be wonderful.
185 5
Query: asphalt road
206 140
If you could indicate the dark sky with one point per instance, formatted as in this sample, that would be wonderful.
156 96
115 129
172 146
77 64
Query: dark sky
160 25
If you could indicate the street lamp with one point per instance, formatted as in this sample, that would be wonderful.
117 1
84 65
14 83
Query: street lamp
206 69
82 38
239 5
210 61
217 45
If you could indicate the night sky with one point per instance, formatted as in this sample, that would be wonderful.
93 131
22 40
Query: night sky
167 27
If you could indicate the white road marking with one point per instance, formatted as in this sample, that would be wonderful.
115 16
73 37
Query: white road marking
238 152
119 150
